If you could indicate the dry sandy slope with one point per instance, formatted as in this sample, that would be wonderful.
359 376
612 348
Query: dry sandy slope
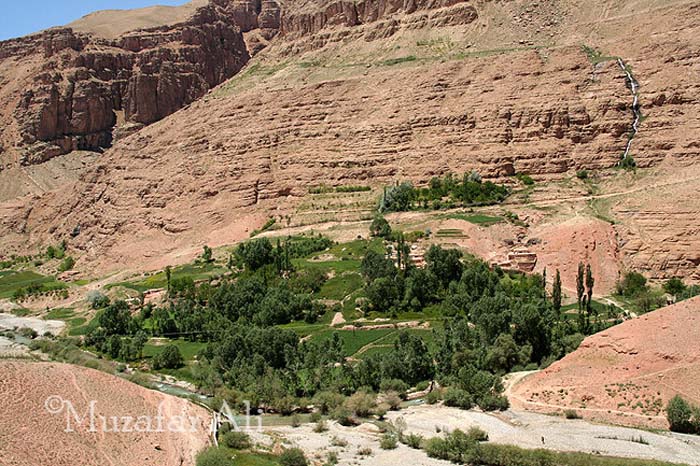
113 23
30 436
625 374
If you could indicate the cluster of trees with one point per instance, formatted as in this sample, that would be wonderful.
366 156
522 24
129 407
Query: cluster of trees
494 322
635 288
448 191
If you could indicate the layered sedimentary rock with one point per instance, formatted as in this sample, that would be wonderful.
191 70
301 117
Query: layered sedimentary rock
375 92
64 90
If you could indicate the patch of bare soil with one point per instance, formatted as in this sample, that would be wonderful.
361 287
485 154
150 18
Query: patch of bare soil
30 435
625 374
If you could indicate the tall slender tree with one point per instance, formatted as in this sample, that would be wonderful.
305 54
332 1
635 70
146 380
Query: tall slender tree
590 282
580 290
556 292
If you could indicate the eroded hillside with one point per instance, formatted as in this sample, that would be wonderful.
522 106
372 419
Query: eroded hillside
382 91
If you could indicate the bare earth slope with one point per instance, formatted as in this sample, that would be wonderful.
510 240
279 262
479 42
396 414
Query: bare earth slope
374 92
30 435
625 374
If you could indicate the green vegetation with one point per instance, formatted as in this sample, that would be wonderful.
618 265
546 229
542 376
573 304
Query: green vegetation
399 60
596 56
446 192
478 219
682 416
470 448
260 332
323 189
525 179
268 225
21 285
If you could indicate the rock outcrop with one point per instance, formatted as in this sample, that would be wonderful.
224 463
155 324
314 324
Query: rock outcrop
64 90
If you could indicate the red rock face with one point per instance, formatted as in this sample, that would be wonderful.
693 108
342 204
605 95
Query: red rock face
77 83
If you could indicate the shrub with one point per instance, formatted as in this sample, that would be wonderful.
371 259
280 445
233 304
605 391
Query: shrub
393 401
344 416
361 404
571 414
525 179
320 427
213 457
293 457
477 434
388 442
331 459
366 451
433 397
339 442
315 417
412 440
326 402
394 385
456 397
236 440
296 420
66 264
380 227
582 174
678 413
490 402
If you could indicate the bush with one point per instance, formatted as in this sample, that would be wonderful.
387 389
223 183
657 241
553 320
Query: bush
412 440
492 402
361 404
393 401
66 264
296 421
571 414
582 174
213 457
293 457
433 397
388 442
331 459
525 179
679 413
380 227
320 427
236 440
326 402
478 435
394 385
458 398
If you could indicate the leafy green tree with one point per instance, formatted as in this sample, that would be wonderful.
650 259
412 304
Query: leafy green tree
674 286
383 294
445 264
115 318
397 198
169 358
678 413
556 292
168 276
590 282
207 255
256 253
376 265
421 289
580 287
632 284
380 227
505 354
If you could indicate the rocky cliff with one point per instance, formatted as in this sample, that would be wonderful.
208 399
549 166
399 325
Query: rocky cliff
64 90
371 93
